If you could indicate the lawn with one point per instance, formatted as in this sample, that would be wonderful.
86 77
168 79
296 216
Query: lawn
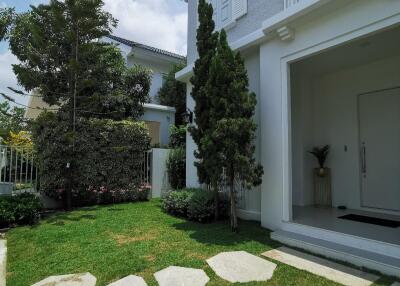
114 241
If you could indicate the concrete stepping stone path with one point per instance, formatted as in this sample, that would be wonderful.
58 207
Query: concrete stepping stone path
83 279
322 267
396 284
3 254
174 276
241 266
130 280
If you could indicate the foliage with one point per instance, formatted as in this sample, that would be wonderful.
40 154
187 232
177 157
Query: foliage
206 46
321 153
176 168
232 110
20 209
201 206
177 136
110 153
6 18
176 202
103 196
173 93
11 119
194 204
21 141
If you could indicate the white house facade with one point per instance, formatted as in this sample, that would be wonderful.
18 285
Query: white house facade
326 72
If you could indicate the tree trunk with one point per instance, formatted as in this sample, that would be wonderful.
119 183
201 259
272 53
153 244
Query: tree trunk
234 224
214 188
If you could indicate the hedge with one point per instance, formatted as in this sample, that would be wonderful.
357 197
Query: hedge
19 210
107 154
193 204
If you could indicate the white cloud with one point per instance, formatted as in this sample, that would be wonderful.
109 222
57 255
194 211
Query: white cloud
159 23
7 77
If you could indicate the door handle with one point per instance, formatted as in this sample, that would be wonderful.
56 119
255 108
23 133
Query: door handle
364 158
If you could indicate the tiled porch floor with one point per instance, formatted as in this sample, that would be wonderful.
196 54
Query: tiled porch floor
327 218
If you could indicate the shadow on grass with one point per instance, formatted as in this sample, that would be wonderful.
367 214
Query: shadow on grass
219 233
60 219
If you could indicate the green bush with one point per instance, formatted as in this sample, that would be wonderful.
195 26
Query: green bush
201 206
21 209
176 168
176 202
177 136
194 204
108 154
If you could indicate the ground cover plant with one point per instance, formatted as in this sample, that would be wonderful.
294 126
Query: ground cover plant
137 238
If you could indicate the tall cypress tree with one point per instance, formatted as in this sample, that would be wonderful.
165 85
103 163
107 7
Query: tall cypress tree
205 154
231 112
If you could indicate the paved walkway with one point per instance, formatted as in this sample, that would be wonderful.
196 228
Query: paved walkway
322 267
3 254
241 266
235 266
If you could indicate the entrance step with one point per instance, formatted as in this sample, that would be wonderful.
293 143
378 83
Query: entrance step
385 264
363 243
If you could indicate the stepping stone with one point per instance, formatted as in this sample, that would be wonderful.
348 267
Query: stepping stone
396 284
322 267
174 276
130 280
3 254
83 279
241 266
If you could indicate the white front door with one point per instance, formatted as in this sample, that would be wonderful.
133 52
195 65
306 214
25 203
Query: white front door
379 115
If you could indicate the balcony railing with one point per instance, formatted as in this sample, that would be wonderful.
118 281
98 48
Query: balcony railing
290 3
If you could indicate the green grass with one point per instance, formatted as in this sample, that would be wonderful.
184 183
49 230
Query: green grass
114 241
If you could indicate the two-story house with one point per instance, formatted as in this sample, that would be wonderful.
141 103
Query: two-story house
326 72
158 118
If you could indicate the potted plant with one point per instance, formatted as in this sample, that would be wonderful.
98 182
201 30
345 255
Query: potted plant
321 154
322 178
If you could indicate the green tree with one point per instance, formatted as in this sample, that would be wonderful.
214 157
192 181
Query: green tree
173 93
6 18
206 163
11 119
62 58
231 110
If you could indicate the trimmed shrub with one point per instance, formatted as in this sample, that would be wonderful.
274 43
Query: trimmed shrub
21 209
108 154
176 168
201 206
176 202
194 204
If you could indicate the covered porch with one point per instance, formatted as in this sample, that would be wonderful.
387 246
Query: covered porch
347 97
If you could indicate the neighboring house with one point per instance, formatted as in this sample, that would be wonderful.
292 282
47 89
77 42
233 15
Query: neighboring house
325 72
157 117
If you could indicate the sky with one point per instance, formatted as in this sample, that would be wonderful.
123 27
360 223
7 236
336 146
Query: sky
158 23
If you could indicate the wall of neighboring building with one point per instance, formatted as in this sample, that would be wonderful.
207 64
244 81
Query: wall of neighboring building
162 114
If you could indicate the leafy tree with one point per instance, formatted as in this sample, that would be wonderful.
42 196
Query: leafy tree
21 141
231 110
173 93
6 18
62 58
11 119
206 164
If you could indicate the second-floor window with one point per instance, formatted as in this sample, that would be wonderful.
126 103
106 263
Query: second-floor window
226 12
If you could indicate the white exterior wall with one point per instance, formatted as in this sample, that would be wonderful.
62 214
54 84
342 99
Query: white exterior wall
166 117
337 23
331 23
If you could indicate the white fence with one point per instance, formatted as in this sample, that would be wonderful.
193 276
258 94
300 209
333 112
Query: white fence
290 3
17 169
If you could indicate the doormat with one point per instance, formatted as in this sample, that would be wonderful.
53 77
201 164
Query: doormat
372 220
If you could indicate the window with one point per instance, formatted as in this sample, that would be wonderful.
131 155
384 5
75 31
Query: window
226 12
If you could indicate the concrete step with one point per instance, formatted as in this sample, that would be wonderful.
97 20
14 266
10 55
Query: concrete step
371 260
